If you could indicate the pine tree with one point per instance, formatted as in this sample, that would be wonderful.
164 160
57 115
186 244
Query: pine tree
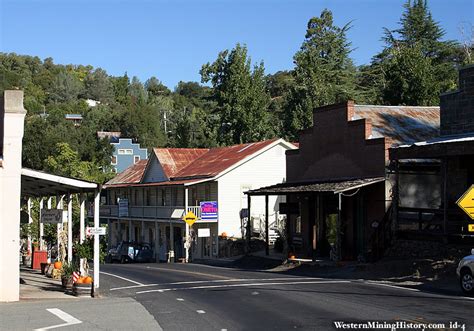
323 74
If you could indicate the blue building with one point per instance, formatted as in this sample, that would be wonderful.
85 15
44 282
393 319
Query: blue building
126 153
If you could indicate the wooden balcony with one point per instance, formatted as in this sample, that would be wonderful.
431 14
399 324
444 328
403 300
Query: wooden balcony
151 212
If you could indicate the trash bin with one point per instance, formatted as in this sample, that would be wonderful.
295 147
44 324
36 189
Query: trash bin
38 258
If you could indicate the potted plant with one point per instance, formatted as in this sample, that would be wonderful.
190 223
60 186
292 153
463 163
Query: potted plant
66 276
83 287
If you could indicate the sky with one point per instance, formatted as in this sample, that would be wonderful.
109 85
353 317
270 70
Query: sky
172 39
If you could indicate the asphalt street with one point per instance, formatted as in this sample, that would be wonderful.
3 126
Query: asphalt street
201 297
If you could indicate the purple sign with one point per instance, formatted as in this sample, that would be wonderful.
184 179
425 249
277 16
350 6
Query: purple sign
209 210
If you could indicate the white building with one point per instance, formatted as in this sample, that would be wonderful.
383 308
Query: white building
154 194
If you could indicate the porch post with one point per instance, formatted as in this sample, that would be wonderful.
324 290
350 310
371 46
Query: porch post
96 240
30 221
248 227
171 252
142 232
187 240
267 236
445 196
338 228
69 229
82 202
41 226
395 200
59 205
130 230
157 242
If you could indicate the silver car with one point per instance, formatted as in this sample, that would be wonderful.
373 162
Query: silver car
465 273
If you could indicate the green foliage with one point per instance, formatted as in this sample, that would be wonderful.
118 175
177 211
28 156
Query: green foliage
324 73
68 268
84 250
241 96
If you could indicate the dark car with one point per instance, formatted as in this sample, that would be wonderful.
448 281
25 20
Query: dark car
130 252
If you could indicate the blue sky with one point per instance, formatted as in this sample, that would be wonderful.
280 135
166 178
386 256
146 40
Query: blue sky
172 39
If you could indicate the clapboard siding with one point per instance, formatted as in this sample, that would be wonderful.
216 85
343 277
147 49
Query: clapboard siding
154 172
266 169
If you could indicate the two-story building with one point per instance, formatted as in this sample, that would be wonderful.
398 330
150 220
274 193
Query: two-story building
147 201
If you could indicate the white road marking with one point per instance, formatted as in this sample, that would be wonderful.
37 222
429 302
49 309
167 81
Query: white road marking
255 293
62 315
200 311
214 281
120 277
240 285
417 290
180 299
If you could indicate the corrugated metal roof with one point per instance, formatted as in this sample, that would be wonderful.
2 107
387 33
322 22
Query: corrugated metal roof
186 165
216 160
131 175
335 186
401 124
175 159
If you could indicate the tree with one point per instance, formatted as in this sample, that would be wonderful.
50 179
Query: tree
416 60
98 86
156 88
66 87
241 96
323 74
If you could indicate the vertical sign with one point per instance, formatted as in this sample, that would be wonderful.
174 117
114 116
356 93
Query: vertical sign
122 207
209 210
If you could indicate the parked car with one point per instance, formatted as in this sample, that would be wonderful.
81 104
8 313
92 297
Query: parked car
465 273
130 252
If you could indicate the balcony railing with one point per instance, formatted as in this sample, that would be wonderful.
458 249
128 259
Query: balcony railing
164 212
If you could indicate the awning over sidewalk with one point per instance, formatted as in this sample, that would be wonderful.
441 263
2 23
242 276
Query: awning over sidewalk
321 186
36 183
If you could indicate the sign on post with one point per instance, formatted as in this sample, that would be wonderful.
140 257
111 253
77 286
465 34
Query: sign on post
204 233
91 231
209 210
51 216
466 202
190 218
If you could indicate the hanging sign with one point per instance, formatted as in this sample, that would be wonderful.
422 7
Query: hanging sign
204 233
122 207
51 216
209 210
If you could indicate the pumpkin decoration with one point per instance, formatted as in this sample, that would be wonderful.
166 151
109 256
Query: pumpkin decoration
58 265
80 280
87 280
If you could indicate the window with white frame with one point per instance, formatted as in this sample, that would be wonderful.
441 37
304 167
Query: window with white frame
136 158
114 160
125 151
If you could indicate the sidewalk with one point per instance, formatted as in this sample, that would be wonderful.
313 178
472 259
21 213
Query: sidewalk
35 286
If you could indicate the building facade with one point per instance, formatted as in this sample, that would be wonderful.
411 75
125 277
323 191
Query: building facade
146 202
126 153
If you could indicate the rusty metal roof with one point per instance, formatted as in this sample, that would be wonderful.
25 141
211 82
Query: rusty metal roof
131 175
401 124
216 160
173 160
187 165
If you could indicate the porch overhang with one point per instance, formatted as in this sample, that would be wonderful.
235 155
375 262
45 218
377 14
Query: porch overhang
436 148
331 186
36 183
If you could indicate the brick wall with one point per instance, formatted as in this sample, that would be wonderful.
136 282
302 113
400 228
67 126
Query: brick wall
457 108
337 147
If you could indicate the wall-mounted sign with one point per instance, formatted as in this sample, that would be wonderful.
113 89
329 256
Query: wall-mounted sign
51 216
204 233
209 210
122 207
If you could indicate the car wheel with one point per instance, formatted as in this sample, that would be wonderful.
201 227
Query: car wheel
467 282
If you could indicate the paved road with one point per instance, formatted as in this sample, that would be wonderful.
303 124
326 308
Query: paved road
199 297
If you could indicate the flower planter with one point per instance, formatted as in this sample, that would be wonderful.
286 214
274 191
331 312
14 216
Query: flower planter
82 290
67 284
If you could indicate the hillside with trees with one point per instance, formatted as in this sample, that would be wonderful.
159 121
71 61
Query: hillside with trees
236 100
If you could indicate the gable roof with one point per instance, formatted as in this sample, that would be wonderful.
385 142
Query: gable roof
401 124
173 160
131 175
191 165
216 160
